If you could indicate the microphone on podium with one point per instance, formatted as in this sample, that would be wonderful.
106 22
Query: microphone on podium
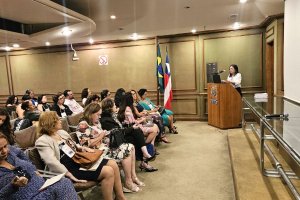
223 70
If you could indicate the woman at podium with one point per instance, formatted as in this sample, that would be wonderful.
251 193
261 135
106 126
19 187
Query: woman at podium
235 78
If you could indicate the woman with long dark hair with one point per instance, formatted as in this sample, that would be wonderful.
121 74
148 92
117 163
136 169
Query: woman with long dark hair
84 95
134 136
42 103
235 78
5 126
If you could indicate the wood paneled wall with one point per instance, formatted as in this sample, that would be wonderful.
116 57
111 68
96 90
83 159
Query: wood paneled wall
132 65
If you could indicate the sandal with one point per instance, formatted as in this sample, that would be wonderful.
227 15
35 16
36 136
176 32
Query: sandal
138 182
165 140
132 188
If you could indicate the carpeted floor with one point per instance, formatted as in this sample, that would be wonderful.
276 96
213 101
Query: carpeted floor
195 166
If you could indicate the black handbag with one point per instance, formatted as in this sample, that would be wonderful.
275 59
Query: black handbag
161 110
116 138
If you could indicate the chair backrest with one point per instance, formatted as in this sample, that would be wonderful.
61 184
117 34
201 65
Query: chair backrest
35 158
74 137
65 124
73 120
26 137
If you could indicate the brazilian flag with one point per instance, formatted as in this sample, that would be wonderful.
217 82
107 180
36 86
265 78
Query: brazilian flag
160 71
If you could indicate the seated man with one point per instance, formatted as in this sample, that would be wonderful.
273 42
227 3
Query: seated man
74 106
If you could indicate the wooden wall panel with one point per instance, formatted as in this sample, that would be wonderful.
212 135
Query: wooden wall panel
128 67
185 106
44 73
4 86
243 50
183 64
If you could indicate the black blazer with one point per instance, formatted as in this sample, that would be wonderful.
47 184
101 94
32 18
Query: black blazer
107 121
59 111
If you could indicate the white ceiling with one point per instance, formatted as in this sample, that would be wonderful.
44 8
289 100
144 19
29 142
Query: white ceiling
148 18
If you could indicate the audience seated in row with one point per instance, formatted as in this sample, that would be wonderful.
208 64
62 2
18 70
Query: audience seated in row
92 135
19 178
50 147
133 135
167 115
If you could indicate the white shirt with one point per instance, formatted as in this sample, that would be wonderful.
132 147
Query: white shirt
74 106
84 100
235 80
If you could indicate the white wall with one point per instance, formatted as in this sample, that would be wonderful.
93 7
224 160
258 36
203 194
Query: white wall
292 50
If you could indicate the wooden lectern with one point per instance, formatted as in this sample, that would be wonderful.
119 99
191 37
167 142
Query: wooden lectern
224 105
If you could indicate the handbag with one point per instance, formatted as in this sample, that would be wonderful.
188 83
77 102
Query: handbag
161 110
87 159
116 138
84 159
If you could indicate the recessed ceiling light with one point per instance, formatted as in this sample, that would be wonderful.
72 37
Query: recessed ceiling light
193 30
66 31
16 45
113 17
134 36
7 48
91 41
243 1
47 43
236 25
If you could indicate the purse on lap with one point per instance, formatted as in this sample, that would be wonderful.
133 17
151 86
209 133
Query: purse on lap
84 159
116 138
161 110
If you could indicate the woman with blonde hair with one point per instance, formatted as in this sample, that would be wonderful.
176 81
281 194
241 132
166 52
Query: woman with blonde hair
51 145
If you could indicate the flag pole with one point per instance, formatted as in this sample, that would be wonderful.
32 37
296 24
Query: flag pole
157 84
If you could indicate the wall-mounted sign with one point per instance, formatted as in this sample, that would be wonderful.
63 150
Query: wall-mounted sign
103 60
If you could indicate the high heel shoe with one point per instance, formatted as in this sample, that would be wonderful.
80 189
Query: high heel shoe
131 188
138 182
165 140
148 168
152 158
174 130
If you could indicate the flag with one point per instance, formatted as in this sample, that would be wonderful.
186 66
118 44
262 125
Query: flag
160 71
168 95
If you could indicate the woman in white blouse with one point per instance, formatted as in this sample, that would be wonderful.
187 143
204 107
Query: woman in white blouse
235 78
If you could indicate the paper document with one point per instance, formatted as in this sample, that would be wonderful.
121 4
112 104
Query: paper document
51 181
261 95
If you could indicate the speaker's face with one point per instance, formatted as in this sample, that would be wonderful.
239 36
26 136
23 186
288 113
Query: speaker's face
231 70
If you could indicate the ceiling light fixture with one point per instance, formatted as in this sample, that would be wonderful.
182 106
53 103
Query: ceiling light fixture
7 48
66 31
236 25
113 17
75 57
47 43
16 45
243 1
134 36
193 30
91 41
